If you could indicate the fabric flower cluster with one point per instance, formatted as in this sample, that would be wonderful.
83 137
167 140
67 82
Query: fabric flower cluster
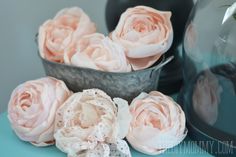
90 123
141 37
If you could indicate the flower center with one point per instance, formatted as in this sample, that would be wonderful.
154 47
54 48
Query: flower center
89 116
140 27
25 101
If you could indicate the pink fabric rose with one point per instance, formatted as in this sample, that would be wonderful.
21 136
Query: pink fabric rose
98 52
56 35
206 97
145 33
32 109
158 123
90 124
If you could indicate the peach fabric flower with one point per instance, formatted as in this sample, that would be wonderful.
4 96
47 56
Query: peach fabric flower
145 33
90 124
206 97
158 123
55 35
32 109
98 52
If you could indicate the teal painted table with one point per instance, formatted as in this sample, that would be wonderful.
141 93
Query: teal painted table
11 146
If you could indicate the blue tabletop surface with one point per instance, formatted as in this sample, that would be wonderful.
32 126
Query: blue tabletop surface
11 146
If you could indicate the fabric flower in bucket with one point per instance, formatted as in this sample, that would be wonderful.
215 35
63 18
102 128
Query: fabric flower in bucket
56 34
97 52
145 33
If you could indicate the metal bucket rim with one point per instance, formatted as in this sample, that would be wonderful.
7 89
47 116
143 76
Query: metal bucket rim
159 61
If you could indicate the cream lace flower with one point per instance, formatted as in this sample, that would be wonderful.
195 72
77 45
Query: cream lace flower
90 124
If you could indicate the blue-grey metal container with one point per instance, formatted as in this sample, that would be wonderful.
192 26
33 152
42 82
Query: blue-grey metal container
124 85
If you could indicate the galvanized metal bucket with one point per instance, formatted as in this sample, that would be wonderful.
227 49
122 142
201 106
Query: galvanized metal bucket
124 85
